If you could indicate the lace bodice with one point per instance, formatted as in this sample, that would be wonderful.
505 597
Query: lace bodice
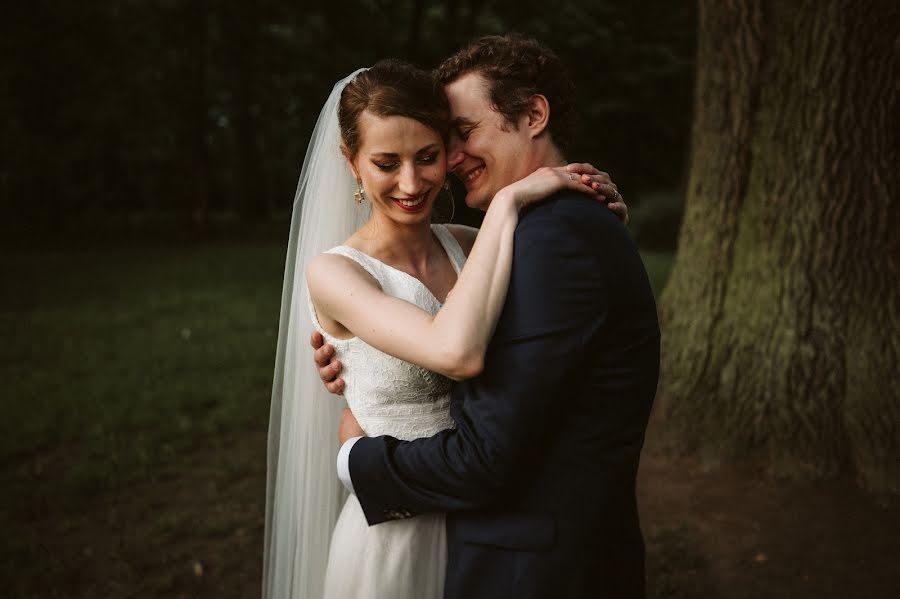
387 395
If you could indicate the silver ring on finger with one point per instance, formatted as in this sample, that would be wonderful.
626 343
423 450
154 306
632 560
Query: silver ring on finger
616 195
573 177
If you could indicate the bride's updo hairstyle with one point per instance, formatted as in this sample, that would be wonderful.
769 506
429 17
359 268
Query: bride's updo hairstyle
392 88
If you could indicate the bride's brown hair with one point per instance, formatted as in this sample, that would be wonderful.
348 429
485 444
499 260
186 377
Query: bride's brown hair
392 88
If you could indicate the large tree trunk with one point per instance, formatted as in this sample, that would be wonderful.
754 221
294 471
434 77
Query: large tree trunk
781 318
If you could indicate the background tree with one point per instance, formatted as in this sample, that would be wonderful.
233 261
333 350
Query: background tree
781 316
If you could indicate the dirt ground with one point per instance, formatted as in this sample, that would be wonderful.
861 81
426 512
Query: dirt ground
754 536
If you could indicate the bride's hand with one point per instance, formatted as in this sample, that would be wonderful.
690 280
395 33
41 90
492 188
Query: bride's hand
581 177
543 183
602 183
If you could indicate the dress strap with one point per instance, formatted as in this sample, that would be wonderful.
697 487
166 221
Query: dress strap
451 246
372 266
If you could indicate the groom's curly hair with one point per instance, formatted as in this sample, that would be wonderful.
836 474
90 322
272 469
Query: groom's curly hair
392 88
518 67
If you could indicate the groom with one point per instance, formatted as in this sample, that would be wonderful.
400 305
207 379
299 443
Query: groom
538 477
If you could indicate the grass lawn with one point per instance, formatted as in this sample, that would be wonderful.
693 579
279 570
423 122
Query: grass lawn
136 391
135 396
658 265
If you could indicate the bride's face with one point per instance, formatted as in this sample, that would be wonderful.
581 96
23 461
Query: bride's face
402 164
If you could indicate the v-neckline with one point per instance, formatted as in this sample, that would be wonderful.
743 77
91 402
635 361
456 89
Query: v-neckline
406 274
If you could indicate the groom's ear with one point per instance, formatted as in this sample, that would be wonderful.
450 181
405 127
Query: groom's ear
537 115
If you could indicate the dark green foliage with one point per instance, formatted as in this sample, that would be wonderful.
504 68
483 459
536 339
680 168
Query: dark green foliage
656 220
658 265
180 110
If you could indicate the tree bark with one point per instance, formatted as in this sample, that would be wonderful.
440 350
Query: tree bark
780 319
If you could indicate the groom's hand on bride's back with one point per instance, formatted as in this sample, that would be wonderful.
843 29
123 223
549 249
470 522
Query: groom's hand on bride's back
329 367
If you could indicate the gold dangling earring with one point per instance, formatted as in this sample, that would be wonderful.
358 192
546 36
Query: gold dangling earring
360 195
452 203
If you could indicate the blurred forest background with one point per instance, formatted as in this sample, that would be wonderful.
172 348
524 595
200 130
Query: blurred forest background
149 151
184 116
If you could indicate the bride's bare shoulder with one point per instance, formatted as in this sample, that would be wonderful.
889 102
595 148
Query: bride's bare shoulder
464 235
335 271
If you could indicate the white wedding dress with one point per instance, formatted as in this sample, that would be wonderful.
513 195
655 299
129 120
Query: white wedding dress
399 559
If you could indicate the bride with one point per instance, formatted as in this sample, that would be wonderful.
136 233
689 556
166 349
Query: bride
377 285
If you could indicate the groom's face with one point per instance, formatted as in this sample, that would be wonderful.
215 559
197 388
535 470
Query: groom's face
486 152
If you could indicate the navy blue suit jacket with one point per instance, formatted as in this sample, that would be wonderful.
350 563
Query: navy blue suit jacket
538 478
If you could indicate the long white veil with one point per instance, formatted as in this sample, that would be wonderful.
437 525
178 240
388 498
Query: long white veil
303 493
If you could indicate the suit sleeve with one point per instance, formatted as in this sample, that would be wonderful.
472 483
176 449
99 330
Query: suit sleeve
557 298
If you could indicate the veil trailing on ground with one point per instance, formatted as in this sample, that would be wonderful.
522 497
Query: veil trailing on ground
303 493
